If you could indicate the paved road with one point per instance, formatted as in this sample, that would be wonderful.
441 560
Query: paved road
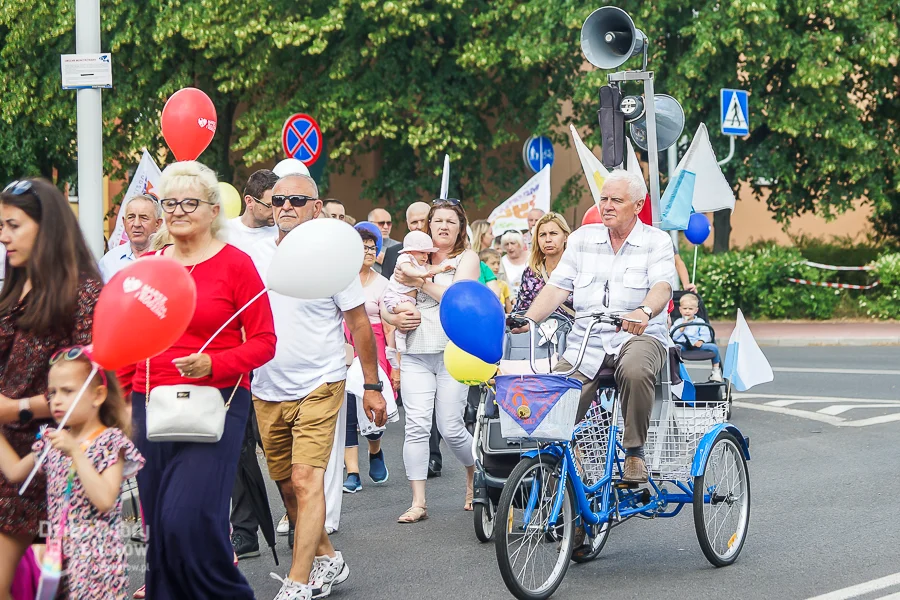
824 500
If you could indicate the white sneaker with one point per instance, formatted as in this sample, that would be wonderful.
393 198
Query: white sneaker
291 590
326 573
283 526
716 373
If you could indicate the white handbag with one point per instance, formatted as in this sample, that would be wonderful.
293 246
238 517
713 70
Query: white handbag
186 413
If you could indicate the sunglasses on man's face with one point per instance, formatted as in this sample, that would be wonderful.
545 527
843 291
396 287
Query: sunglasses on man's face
297 200
258 201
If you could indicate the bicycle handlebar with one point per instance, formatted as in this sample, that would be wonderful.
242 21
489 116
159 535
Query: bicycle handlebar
597 317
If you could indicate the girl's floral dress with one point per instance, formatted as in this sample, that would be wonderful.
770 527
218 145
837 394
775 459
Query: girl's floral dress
94 557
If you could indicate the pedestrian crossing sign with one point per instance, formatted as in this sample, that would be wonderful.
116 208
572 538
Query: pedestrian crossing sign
734 112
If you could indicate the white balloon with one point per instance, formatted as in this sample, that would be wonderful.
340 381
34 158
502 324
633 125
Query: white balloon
317 259
290 166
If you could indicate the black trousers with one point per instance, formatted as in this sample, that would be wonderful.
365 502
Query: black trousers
243 519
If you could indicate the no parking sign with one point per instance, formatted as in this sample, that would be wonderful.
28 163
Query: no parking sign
301 138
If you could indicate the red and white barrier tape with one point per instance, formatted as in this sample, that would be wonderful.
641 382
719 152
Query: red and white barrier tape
834 267
841 286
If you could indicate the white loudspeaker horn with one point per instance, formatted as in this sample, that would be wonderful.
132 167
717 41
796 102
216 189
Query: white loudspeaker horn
669 123
609 38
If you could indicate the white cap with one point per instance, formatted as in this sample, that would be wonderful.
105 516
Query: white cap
418 241
290 166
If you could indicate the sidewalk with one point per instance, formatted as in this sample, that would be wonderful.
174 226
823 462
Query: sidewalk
817 333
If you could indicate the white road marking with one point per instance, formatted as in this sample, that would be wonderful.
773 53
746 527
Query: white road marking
780 403
862 589
895 596
703 366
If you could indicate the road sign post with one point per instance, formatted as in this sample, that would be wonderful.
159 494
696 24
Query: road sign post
538 153
301 138
89 118
734 111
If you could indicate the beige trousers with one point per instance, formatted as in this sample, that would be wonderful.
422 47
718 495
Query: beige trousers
636 367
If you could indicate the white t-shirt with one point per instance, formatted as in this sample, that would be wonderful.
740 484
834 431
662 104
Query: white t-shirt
513 275
244 238
310 347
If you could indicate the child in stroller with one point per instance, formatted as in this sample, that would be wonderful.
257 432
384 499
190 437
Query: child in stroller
694 335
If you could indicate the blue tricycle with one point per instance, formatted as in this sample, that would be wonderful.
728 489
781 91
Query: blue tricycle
563 498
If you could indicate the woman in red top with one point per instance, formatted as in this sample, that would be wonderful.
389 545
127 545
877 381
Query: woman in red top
47 303
186 487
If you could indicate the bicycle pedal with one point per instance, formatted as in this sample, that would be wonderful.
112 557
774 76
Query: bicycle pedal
626 485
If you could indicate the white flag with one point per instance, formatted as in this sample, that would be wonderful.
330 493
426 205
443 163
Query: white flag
146 177
512 215
445 178
594 171
711 189
745 364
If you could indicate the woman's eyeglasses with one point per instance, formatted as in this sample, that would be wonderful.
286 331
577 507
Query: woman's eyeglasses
74 353
370 250
188 205
297 200
450 201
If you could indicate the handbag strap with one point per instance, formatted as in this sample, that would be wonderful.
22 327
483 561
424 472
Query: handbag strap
147 389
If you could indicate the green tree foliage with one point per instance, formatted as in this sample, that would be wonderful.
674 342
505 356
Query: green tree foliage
408 80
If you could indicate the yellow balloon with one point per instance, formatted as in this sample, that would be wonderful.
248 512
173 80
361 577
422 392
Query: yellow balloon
231 200
466 368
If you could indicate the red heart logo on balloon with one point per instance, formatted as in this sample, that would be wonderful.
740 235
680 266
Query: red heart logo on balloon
144 309
183 109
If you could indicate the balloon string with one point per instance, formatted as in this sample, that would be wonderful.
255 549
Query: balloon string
233 317
62 424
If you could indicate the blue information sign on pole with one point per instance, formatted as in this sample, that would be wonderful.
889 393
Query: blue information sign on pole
735 112
538 153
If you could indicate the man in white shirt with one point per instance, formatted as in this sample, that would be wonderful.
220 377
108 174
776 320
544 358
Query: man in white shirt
143 217
299 393
257 223
620 266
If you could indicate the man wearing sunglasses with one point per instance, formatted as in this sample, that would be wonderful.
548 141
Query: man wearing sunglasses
258 221
298 395
382 220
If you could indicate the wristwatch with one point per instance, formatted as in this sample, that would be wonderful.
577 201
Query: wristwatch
374 387
25 414
647 310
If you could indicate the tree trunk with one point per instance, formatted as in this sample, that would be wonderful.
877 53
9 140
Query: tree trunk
722 223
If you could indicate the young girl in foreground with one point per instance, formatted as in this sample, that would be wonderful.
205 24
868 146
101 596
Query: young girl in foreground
89 458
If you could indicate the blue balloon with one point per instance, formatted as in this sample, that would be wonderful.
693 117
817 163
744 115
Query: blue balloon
473 319
698 229
372 228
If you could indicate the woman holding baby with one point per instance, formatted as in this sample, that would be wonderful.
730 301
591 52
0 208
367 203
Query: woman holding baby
425 384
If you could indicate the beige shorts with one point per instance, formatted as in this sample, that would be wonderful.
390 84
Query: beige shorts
299 432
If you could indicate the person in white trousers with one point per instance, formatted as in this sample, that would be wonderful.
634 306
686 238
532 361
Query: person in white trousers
425 385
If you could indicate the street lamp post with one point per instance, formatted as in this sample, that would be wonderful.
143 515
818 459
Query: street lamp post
90 132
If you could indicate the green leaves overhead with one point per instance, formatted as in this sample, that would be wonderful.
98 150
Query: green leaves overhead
408 80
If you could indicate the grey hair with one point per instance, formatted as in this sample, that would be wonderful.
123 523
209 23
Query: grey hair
513 236
157 207
305 178
637 188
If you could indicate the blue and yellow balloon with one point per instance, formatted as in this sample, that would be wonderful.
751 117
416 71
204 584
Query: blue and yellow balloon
473 319
466 368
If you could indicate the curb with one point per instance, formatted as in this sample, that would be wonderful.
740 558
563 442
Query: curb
807 342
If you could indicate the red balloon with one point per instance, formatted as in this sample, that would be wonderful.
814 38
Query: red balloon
142 311
188 123
591 216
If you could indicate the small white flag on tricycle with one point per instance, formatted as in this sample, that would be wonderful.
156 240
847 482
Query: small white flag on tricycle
745 364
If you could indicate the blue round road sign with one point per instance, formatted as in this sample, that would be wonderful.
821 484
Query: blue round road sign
538 153
301 138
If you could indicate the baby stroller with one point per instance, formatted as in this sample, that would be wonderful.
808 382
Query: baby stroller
496 457
707 391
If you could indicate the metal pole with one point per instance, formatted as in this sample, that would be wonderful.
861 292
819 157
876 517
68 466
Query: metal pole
672 160
90 132
652 152
728 158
